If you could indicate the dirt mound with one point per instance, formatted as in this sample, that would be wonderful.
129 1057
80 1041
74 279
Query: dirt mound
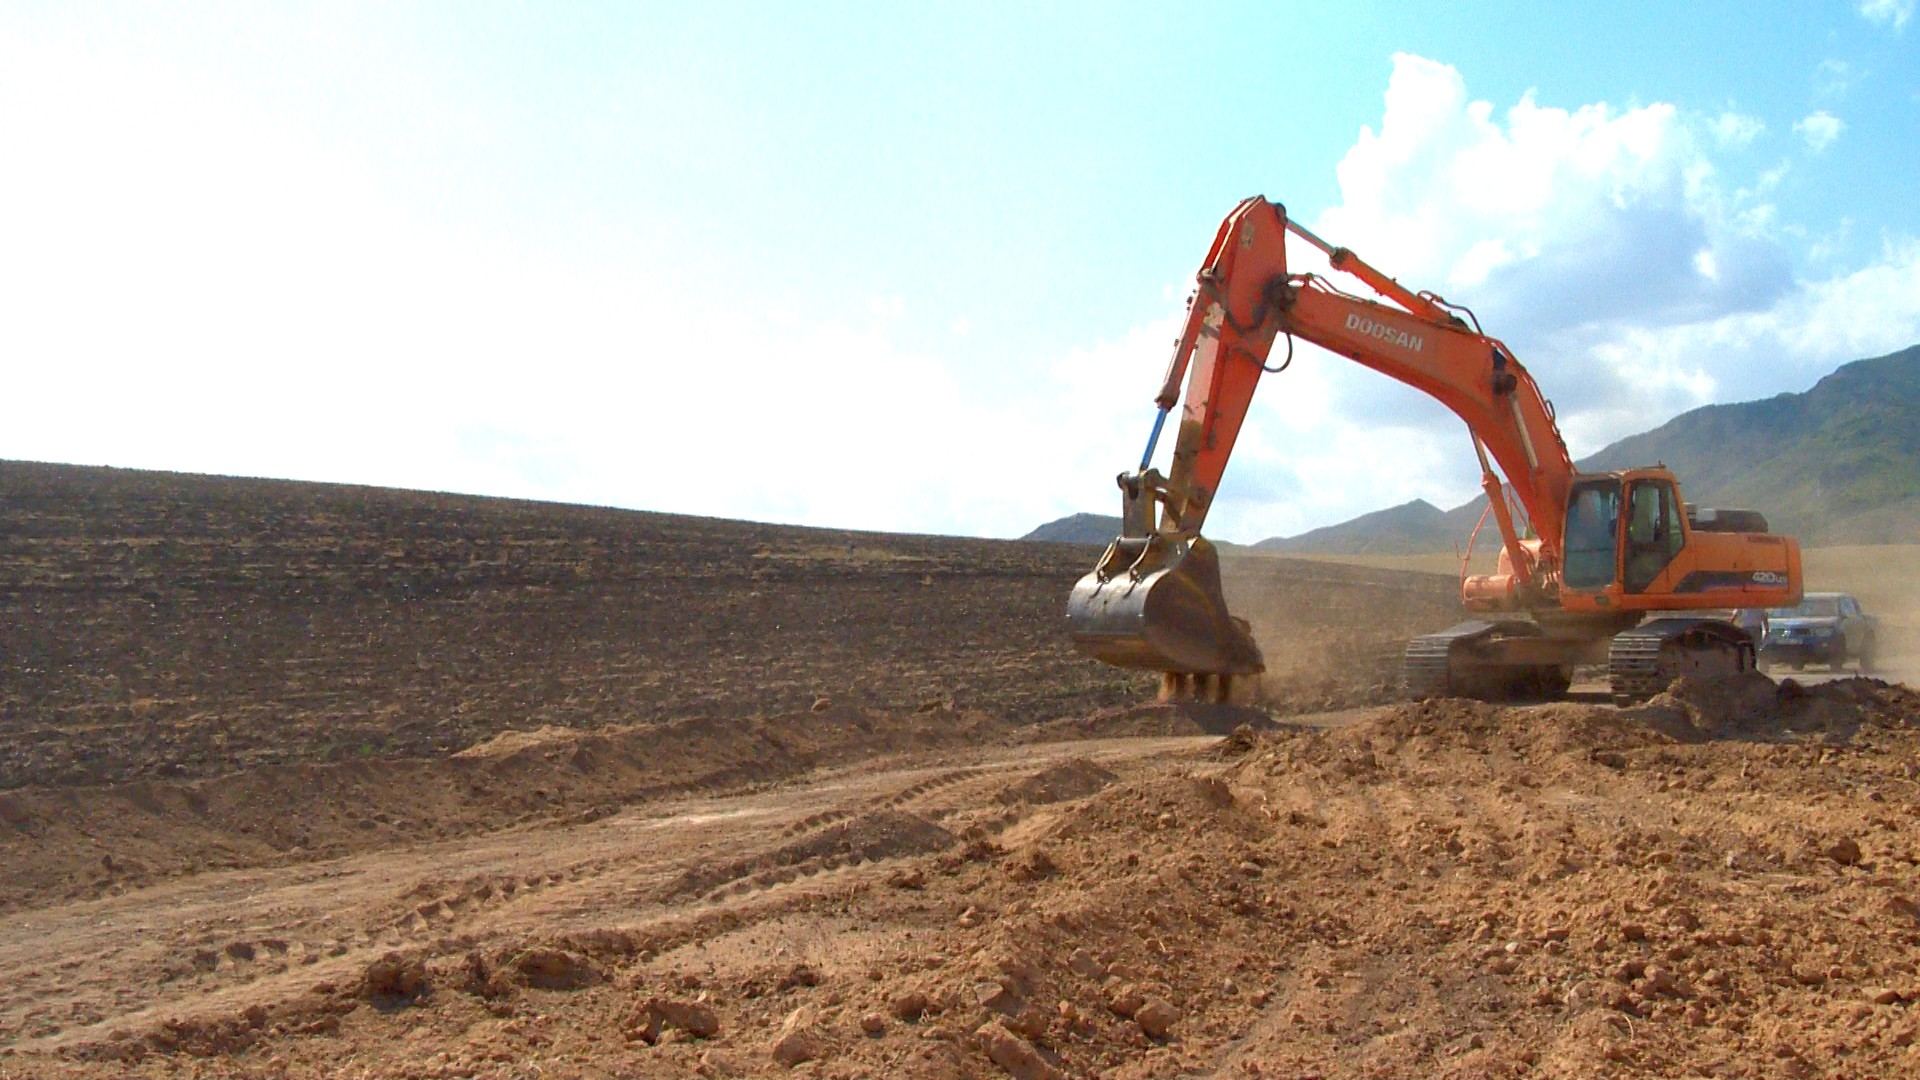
1756 707
1751 708
1057 783
68 842
509 743
1157 718
1454 889
882 834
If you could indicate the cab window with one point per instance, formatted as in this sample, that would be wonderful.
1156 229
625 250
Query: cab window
1592 533
1655 532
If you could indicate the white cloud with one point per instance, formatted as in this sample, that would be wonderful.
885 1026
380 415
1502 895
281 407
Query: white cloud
1735 129
1823 246
1833 78
1820 128
1553 217
1894 13
1865 312
1609 247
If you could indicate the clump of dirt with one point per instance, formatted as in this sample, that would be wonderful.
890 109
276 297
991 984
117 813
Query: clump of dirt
547 968
395 979
1068 780
1754 706
655 1017
1166 718
881 834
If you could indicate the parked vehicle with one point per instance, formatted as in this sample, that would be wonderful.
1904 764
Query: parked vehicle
1754 621
1824 628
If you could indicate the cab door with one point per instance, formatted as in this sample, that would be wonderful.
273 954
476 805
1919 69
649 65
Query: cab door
1656 531
1592 535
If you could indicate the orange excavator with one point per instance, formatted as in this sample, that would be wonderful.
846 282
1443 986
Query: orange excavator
1593 568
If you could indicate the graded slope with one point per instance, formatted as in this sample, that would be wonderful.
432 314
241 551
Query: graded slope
158 625
208 674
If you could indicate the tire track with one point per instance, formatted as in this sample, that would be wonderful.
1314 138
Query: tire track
221 943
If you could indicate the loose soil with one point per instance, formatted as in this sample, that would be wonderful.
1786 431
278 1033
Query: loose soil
904 832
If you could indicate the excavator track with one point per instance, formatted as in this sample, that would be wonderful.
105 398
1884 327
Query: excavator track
1641 662
1456 663
1492 661
1633 666
1426 669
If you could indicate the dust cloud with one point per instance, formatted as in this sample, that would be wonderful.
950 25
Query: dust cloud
1885 578
1333 633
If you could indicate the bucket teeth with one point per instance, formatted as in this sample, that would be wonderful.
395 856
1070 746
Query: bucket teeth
1191 686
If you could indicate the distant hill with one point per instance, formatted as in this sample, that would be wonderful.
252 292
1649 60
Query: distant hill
1097 529
1408 529
1838 464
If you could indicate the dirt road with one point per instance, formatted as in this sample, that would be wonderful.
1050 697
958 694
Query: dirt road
220 943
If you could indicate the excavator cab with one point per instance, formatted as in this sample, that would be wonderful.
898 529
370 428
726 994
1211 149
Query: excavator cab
1624 531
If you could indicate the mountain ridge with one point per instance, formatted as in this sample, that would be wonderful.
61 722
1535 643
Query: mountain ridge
1837 463
1841 463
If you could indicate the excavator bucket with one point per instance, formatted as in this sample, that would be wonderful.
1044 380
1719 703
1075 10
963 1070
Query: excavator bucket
1156 604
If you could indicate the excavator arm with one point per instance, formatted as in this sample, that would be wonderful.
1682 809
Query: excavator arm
1154 601
1247 299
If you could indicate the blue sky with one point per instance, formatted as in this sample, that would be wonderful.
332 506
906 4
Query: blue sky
909 267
